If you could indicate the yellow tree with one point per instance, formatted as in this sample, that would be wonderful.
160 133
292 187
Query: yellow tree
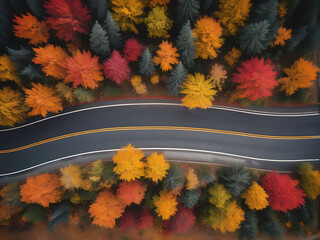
128 162
218 75
166 56
12 107
158 24
300 75
208 39
283 35
166 204
8 70
199 91
71 176
232 56
156 167
310 180
255 197
127 13
232 14
192 179
29 27
218 195
42 100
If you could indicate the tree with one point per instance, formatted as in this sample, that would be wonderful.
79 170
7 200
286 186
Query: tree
249 226
60 215
208 39
132 50
145 220
128 163
99 42
192 179
270 223
7 211
98 8
29 27
218 75
226 219
166 56
235 179
42 100
127 13
166 204
156 167
116 68
256 78
177 76
310 180
296 38
131 192
36 7
20 57
128 220
106 209
266 10
282 191
219 196
206 176
190 198
255 197
188 11
52 60
8 70
174 178
42 189
113 31
232 56
102 172
185 44
183 221
300 75
283 35
146 64
83 95
232 14
154 79
71 176
83 69
10 194
158 24
12 107
67 18
34 213
66 92
253 37
198 90
31 71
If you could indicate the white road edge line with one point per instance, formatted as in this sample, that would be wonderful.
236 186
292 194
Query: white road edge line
159 149
252 112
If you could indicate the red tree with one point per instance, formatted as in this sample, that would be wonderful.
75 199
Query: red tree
146 220
128 220
131 192
116 68
132 50
256 78
183 221
282 191
68 18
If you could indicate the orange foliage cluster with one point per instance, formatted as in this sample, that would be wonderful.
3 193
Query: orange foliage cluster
131 192
232 56
8 70
283 35
166 204
166 56
7 211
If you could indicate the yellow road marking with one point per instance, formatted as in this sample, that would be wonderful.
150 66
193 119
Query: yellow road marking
167 128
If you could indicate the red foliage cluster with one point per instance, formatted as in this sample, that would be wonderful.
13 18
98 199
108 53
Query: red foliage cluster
132 50
116 68
67 17
256 78
145 220
282 191
130 220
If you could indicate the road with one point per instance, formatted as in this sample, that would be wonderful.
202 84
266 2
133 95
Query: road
265 140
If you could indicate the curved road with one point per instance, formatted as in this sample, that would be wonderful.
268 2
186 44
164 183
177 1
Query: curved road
265 140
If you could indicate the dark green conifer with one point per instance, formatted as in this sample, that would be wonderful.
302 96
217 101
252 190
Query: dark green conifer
99 42
146 64
98 8
185 45
190 198
174 178
249 227
36 7
187 10
113 31
176 78
34 213
60 215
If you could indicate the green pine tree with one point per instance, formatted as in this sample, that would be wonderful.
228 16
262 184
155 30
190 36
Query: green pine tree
190 198
36 7
296 39
267 10
146 64
185 45
60 215
176 78
31 71
249 227
269 223
21 57
34 213
98 8
187 10
312 39
113 31
99 42
174 178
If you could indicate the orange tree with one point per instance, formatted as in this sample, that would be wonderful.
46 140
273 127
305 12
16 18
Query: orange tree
8 70
283 35
192 179
131 192
156 167
166 56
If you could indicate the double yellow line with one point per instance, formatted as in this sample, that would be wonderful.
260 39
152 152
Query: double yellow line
163 128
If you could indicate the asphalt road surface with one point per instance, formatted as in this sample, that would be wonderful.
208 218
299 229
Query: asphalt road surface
267 139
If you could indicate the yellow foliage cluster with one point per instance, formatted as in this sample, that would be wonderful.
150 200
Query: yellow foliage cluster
154 79
208 39
127 13
8 70
218 75
255 197
29 27
232 14
12 107
158 23
71 176
156 167
199 91
136 81
141 89
192 179
300 75
282 9
310 180
232 56
166 204
218 195
65 92
166 56
283 35
128 162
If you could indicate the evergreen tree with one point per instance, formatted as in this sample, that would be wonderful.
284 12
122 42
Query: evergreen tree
98 8
187 10
99 42
267 10
21 57
31 71
249 226
269 223
36 7
60 215
312 39
113 31
185 45
190 198
296 38
146 64
176 78
174 178
254 37
206 4
291 7
34 213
